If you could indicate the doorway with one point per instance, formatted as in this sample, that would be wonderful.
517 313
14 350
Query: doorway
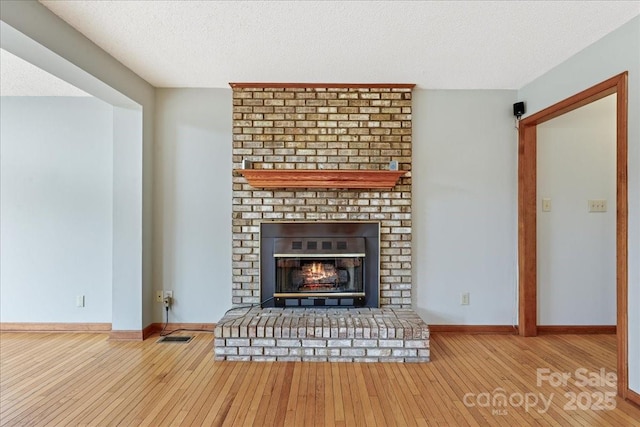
576 244
527 215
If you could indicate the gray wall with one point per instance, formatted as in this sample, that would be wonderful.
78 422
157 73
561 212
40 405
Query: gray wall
56 167
192 232
465 211
32 32
127 292
611 55
464 176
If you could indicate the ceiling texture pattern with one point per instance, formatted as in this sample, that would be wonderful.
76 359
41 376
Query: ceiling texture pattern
435 44
21 78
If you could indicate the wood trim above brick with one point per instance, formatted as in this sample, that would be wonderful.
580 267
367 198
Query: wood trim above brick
54 327
577 329
237 85
321 178
475 329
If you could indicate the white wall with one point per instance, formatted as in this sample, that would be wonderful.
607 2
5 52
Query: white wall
465 206
192 233
56 209
617 52
577 249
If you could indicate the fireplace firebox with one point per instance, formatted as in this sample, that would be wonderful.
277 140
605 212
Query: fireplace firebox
319 267
319 264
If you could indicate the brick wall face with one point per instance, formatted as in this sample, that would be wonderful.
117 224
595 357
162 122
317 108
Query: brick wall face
322 128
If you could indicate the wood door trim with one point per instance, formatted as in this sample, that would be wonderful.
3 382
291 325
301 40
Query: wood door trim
527 141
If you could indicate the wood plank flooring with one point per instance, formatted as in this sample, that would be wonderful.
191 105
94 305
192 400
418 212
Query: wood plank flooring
87 380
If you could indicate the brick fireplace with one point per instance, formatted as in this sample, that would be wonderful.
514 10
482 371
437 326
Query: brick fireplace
320 127
361 128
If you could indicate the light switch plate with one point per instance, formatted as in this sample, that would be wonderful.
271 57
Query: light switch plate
597 205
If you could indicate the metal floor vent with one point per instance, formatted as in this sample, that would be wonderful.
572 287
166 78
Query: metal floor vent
175 339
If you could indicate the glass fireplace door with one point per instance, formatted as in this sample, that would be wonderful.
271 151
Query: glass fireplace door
319 268
319 276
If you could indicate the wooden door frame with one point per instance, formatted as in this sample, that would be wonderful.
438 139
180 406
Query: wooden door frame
527 263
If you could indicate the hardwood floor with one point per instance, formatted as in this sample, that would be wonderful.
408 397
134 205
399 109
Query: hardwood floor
85 379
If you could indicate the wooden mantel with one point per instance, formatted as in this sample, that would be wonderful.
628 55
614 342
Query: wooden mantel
321 178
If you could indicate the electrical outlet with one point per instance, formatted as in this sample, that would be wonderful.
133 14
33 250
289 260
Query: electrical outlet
159 296
80 301
168 299
464 298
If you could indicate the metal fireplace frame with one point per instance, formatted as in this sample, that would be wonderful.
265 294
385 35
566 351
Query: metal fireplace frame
270 232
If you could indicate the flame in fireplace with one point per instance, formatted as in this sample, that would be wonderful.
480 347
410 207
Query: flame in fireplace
318 272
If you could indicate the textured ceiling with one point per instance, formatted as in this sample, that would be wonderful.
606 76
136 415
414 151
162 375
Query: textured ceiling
435 44
20 78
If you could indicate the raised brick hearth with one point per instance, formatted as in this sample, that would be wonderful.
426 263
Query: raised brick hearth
322 335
